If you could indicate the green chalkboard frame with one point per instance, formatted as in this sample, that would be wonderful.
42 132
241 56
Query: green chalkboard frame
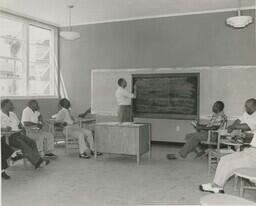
169 115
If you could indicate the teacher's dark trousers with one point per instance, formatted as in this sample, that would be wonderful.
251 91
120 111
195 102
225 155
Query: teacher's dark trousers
27 146
125 113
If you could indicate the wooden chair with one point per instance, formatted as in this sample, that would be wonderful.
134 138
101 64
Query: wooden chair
215 152
245 175
224 199
57 132
70 142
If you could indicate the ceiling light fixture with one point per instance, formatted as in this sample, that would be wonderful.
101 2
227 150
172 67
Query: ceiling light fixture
239 21
69 34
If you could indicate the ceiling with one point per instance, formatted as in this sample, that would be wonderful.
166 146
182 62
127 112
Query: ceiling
93 11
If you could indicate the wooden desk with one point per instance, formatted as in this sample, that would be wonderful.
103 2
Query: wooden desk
123 138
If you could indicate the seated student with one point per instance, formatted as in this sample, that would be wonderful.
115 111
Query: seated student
123 98
10 122
84 136
217 121
7 153
231 162
33 120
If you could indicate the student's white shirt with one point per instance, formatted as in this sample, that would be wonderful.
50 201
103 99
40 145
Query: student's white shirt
123 97
250 120
10 121
29 116
64 116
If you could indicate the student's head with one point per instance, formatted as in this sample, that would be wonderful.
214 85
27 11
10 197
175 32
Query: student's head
33 104
7 105
122 83
250 106
218 106
65 103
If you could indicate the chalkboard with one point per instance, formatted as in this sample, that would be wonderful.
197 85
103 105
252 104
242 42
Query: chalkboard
166 96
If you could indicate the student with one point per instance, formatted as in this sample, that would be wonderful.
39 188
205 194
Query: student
123 98
10 122
33 122
217 121
245 159
84 136
7 153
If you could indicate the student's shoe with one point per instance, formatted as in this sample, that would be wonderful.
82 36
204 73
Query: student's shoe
41 161
98 153
84 156
5 176
171 156
210 188
46 162
51 156
17 157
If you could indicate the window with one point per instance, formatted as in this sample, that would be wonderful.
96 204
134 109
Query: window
28 58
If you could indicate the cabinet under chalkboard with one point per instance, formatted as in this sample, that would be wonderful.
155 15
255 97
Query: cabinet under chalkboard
167 96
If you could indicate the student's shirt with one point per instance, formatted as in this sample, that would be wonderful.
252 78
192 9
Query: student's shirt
123 97
10 121
29 116
218 119
250 120
64 116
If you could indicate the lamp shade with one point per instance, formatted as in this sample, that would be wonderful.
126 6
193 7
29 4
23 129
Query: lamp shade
69 35
239 21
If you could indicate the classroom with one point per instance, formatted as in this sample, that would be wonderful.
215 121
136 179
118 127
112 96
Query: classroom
128 102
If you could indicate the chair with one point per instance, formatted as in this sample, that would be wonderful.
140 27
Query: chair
244 174
70 142
57 132
216 152
223 199
61 134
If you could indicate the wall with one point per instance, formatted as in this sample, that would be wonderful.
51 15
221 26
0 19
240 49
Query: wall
183 41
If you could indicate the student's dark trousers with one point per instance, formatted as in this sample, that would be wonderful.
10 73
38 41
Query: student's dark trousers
193 140
27 146
6 152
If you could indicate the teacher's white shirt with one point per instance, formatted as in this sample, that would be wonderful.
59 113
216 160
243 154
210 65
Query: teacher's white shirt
10 121
123 97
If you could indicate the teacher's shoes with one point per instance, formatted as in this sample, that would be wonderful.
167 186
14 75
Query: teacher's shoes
210 188
84 156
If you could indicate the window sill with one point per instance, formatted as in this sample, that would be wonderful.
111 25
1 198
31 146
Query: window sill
29 97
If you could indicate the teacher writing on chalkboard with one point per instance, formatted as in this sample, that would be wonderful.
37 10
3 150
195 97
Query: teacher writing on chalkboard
124 98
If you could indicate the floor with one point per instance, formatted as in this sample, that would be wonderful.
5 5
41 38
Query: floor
109 180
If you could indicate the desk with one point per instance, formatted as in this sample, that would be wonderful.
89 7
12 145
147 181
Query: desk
87 122
123 138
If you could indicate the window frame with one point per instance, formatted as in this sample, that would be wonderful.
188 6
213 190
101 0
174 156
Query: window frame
25 63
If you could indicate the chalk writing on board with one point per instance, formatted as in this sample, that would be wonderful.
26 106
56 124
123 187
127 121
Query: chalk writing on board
167 95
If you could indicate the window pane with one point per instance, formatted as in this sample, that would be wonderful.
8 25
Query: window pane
11 34
40 61
12 71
